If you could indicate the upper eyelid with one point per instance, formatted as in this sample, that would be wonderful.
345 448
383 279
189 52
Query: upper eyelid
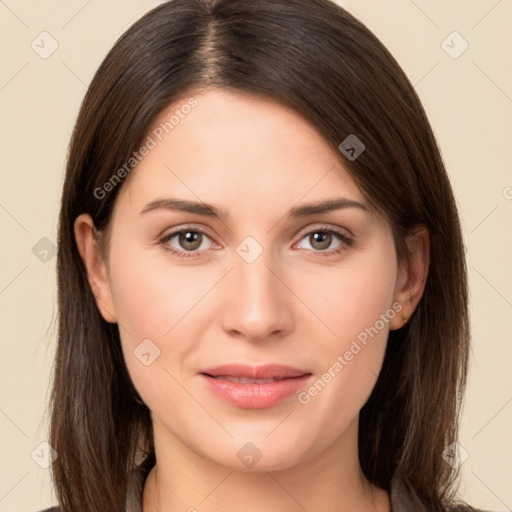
324 227
178 230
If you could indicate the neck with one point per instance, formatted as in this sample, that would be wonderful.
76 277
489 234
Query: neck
331 481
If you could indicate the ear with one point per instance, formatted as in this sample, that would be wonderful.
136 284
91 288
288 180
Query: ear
94 261
412 276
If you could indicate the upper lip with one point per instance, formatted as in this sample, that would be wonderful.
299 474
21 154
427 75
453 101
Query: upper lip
266 371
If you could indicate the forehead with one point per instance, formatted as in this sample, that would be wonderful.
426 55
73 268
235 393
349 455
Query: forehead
230 146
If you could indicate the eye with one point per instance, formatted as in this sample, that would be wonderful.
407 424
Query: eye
320 240
189 241
185 240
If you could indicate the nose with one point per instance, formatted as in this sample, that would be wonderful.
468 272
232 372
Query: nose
257 304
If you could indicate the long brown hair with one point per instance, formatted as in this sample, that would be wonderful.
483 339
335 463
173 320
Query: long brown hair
314 57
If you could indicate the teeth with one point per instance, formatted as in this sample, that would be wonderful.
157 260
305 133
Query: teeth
245 380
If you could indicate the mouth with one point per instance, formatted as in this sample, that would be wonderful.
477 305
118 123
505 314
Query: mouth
245 380
254 387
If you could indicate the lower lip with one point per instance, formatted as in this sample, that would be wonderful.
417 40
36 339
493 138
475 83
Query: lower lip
255 396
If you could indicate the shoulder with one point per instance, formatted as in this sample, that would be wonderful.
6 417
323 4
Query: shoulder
404 498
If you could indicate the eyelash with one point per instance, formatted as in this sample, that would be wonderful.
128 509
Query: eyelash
346 241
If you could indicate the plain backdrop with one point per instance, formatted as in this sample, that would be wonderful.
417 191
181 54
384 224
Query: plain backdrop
456 53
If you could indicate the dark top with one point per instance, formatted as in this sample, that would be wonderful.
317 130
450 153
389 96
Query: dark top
403 498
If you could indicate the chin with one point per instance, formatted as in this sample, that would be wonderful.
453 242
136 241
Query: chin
257 454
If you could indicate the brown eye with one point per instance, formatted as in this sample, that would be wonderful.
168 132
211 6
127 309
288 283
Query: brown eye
190 240
186 242
320 240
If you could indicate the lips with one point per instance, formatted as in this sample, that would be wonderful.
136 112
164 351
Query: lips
254 387
268 371
246 380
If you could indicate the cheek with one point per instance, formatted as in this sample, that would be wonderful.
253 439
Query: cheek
356 305
153 296
351 297
157 304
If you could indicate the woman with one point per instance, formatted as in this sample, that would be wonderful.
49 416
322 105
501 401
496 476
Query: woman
262 286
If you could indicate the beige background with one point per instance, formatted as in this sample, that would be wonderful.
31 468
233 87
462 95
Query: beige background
468 100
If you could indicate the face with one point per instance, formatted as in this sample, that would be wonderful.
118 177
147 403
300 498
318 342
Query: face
298 302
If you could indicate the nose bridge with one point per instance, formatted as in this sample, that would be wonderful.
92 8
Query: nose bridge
256 302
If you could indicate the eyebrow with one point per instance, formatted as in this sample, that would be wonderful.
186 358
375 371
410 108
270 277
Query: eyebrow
210 210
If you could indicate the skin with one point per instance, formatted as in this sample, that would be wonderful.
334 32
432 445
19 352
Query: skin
255 159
